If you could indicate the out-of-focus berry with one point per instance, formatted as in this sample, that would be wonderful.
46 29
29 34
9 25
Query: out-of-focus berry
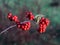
10 16
15 18
47 21
18 26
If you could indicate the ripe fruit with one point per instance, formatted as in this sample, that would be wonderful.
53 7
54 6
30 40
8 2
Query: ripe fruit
29 15
43 23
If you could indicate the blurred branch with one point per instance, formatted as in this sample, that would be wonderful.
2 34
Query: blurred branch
7 29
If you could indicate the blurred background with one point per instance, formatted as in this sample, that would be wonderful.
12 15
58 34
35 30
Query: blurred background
49 8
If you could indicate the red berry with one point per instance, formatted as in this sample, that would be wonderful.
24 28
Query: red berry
28 23
47 21
22 27
25 28
41 31
18 26
10 16
14 18
42 18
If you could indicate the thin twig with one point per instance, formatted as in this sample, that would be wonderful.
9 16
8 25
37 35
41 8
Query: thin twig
7 29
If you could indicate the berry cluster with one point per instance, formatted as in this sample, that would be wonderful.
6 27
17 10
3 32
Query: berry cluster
23 26
29 15
43 23
13 18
